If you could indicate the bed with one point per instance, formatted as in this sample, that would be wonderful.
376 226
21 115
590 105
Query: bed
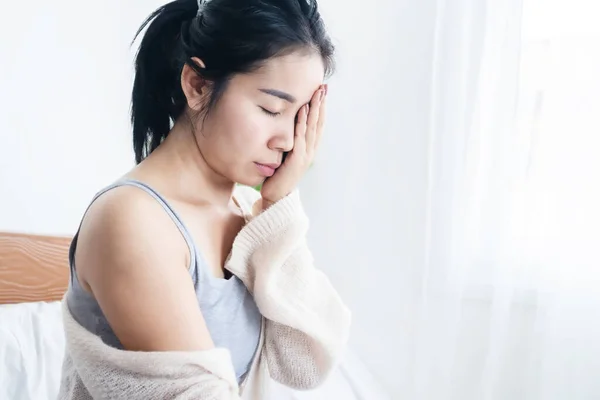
34 275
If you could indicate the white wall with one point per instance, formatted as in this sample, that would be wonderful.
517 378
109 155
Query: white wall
64 97
64 86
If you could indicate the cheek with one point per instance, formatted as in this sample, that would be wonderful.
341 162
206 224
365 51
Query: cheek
241 133
251 133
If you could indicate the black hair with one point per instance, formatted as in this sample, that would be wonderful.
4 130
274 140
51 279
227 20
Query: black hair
229 36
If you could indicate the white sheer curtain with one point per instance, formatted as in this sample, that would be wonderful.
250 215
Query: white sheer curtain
510 293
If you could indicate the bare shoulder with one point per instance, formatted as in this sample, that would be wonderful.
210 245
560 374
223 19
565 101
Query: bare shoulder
127 222
133 259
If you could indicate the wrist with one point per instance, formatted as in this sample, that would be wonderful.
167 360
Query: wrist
267 200
261 205
266 203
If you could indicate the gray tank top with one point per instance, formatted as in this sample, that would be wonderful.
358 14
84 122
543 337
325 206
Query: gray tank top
231 315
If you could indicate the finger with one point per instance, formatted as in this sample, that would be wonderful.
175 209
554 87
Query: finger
321 123
300 132
315 102
313 118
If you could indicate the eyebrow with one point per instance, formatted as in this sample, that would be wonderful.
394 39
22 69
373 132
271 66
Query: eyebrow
278 93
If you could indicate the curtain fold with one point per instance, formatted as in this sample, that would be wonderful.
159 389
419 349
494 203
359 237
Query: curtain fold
510 291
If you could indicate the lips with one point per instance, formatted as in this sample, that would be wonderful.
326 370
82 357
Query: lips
274 166
267 170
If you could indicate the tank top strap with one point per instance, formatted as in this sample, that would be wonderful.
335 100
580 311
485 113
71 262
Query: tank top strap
165 205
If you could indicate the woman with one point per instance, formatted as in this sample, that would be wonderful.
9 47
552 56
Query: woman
184 284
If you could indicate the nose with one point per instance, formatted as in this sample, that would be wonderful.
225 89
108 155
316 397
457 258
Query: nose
283 139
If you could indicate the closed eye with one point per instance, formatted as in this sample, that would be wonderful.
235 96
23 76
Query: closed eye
269 113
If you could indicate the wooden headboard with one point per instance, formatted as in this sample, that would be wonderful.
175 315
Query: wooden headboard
33 267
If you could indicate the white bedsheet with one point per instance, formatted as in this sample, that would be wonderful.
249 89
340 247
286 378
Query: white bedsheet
32 346
31 351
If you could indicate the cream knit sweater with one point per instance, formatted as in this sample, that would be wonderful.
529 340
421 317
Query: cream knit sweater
305 326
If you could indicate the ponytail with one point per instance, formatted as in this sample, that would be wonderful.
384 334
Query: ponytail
157 97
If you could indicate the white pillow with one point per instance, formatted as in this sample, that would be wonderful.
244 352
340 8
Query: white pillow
31 351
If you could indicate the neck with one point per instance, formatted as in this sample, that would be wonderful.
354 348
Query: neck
179 163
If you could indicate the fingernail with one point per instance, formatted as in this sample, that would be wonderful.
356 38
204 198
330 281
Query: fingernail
326 87
321 94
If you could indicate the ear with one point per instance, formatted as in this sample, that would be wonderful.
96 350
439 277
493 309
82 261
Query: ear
194 86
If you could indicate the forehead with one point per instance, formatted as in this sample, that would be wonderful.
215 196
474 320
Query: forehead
298 73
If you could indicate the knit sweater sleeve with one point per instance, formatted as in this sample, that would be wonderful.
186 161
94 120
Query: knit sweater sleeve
307 324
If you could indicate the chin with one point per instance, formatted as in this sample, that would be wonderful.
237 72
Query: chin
247 176
251 181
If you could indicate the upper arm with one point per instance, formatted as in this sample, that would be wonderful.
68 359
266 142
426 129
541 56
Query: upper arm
133 258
